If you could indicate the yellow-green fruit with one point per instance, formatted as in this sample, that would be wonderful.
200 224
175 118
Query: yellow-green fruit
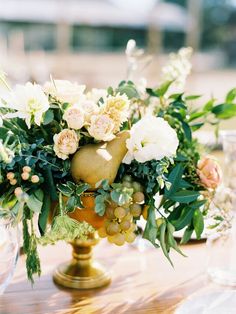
135 210
102 233
159 222
120 212
130 237
125 225
119 239
95 162
110 213
138 197
112 228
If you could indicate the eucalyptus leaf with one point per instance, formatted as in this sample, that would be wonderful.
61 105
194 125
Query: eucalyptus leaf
187 235
174 178
198 223
185 196
35 201
163 242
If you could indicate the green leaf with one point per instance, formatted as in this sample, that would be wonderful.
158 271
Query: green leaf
197 126
196 115
163 242
50 184
185 196
151 229
192 97
187 235
209 105
185 218
152 92
129 90
81 188
184 184
121 196
48 117
65 189
198 223
174 178
164 88
104 184
224 111
71 204
231 95
100 205
170 238
43 216
176 213
187 131
35 201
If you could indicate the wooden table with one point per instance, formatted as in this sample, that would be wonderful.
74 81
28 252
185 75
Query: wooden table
143 282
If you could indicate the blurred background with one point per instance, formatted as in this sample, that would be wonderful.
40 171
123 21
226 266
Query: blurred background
85 40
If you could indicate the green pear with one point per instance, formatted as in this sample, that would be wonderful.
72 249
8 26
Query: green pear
95 162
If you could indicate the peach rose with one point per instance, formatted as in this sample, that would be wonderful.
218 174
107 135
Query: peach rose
65 143
209 172
75 117
101 128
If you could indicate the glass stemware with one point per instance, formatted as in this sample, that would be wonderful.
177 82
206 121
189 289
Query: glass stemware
9 246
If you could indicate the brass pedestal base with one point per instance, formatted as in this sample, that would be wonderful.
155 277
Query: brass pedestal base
81 272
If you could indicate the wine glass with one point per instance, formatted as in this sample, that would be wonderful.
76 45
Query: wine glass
9 247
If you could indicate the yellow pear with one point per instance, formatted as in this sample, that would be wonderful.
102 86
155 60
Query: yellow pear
95 162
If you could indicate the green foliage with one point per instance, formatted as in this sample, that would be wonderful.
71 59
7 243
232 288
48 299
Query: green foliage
128 88
116 192
73 192
174 179
67 229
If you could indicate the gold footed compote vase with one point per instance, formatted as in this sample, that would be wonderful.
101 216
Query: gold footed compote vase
82 272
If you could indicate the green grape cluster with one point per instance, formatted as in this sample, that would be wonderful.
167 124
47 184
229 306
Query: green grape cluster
119 226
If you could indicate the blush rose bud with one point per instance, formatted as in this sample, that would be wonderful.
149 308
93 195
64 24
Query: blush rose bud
209 172
35 179
26 169
25 175
10 175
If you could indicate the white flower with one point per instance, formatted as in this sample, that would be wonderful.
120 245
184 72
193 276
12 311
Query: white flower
65 91
151 138
6 155
96 94
178 67
30 102
75 117
158 198
101 128
65 143
90 109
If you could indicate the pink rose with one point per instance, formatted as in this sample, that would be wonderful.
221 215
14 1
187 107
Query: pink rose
209 172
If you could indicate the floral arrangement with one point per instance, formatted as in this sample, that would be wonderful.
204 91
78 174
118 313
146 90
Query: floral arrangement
131 147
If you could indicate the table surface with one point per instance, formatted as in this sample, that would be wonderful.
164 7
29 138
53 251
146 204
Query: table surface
142 282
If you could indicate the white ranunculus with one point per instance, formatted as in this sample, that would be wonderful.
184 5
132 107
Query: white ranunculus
101 128
30 103
75 117
151 138
65 91
6 155
65 143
